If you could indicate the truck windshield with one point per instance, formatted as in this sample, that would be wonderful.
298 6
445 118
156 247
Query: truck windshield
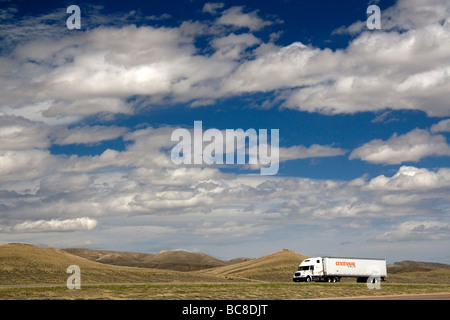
303 268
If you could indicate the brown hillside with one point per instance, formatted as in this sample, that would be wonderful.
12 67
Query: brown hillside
415 266
118 258
178 260
185 261
276 267
29 264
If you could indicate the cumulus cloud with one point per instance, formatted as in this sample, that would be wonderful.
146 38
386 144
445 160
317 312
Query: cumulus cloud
17 133
237 18
377 70
25 164
87 134
229 229
72 76
56 225
233 46
405 15
412 146
314 151
441 126
64 183
412 178
417 230
147 150
212 7
69 76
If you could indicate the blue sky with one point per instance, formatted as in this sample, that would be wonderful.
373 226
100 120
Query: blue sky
363 116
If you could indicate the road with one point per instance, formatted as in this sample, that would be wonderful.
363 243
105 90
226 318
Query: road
432 296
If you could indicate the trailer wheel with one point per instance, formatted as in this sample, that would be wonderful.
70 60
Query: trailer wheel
329 279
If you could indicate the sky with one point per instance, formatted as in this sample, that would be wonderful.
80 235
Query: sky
363 115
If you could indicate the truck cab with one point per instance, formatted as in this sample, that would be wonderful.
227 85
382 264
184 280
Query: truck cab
309 269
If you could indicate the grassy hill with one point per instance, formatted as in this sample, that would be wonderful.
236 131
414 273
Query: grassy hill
276 267
119 258
171 260
185 261
414 266
23 264
418 272
29 264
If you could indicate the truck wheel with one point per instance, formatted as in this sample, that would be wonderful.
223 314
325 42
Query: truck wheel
308 279
328 280
334 280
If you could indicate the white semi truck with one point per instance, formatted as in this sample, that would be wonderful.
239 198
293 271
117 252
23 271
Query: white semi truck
332 269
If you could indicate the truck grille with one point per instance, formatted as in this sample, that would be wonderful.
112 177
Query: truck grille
297 274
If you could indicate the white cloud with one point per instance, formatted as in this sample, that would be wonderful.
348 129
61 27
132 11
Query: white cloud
281 67
163 16
237 18
146 152
25 164
86 107
17 133
212 7
229 229
377 70
412 178
87 134
96 71
314 151
233 46
70 76
411 146
57 183
417 230
405 15
441 126
56 225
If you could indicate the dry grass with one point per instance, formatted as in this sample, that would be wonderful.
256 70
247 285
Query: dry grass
27 264
220 291
437 276
178 260
275 267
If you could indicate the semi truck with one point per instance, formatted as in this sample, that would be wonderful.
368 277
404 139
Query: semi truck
332 269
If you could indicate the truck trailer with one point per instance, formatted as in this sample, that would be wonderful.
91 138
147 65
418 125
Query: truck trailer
332 269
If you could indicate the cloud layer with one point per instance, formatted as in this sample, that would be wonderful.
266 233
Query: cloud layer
403 66
52 81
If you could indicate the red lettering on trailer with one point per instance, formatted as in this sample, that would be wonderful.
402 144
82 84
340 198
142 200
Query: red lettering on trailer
346 263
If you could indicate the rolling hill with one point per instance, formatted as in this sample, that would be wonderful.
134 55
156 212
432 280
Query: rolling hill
418 272
119 258
178 260
29 264
24 264
414 266
275 267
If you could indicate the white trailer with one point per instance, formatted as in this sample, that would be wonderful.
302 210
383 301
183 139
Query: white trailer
332 269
